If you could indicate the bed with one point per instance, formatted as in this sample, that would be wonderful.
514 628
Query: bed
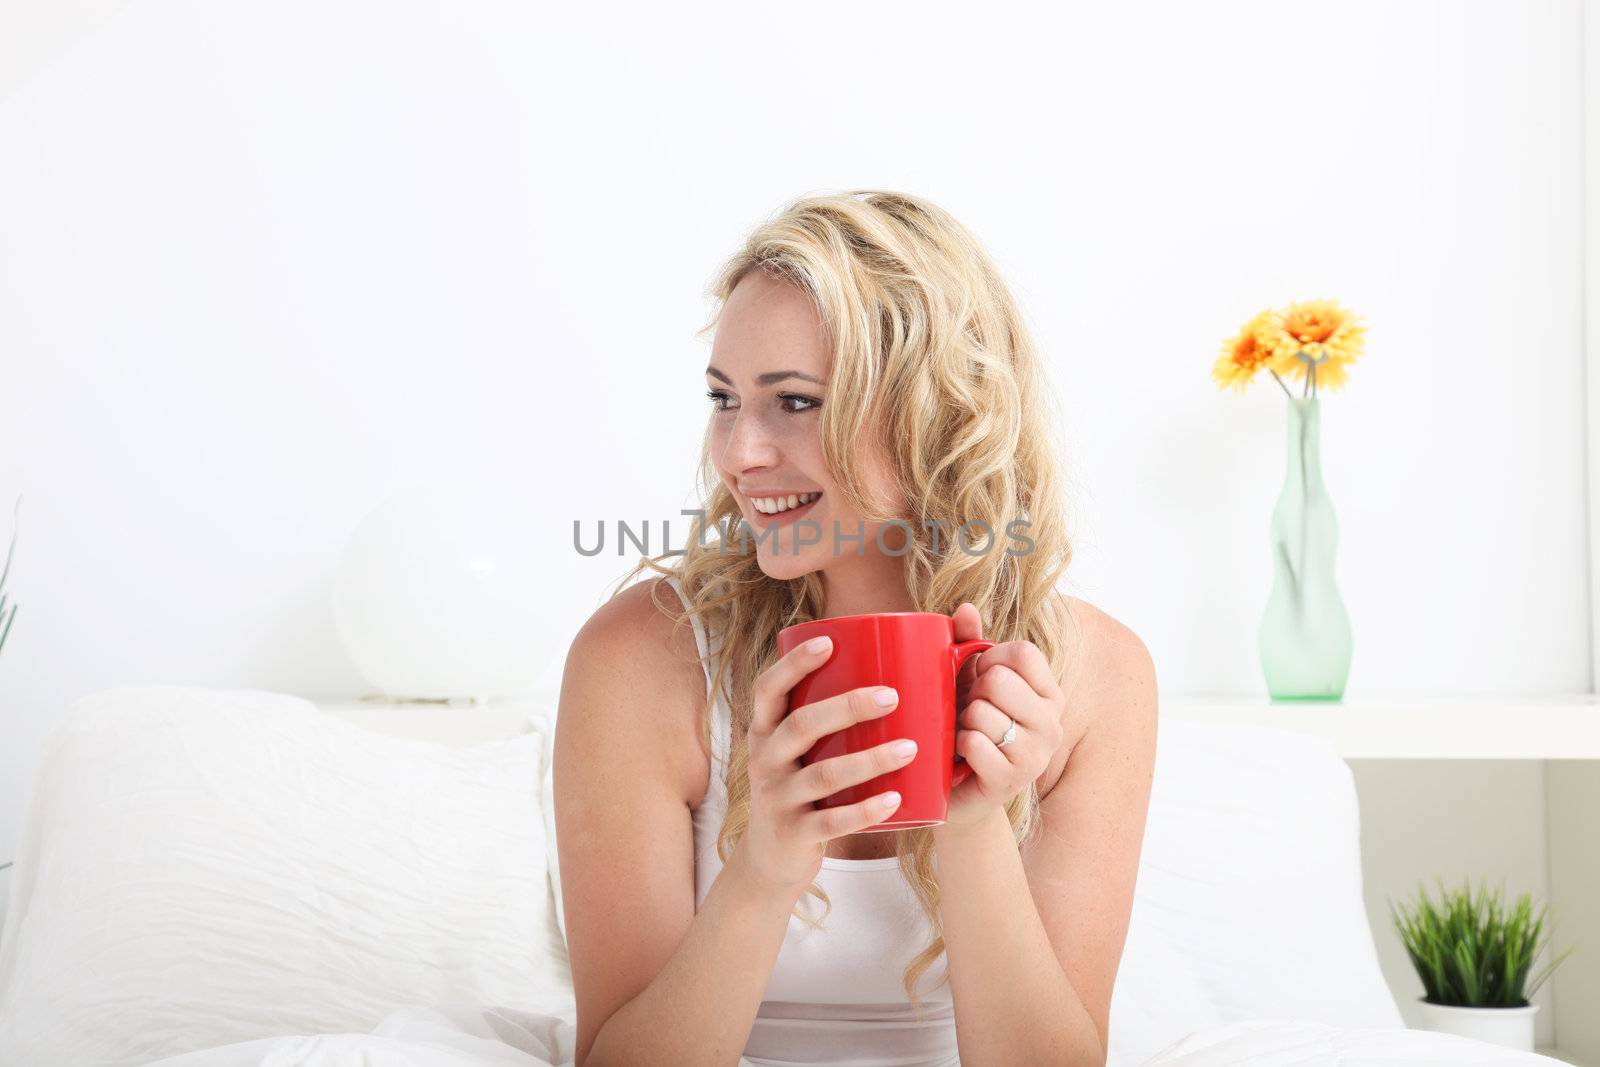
235 877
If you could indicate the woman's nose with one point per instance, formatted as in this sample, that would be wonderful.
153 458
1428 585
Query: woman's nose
747 446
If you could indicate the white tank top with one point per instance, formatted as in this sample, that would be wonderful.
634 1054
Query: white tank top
835 995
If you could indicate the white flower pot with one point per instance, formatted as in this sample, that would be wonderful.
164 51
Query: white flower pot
1510 1027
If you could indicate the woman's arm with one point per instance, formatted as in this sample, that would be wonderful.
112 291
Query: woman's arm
1013 1000
1033 939
656 983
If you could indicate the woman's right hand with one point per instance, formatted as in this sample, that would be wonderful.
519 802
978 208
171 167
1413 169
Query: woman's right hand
784 843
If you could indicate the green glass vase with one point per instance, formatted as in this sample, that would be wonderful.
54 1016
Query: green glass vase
1306 642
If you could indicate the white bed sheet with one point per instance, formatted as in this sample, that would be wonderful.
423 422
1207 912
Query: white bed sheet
462 1035
448 1035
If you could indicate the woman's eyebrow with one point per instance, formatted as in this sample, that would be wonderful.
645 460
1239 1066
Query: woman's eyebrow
769 378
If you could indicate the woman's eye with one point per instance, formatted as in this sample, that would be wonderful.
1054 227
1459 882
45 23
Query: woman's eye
794 403
785 398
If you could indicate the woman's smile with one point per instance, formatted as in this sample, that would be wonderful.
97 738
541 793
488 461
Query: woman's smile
778 510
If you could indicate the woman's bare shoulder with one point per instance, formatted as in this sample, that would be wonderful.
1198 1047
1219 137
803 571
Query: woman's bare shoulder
635 657
1099 645
651 604
1100 648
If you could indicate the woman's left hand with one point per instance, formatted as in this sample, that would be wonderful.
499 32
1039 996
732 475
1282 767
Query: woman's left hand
1011 679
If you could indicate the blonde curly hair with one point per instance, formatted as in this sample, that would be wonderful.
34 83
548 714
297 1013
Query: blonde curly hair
931 359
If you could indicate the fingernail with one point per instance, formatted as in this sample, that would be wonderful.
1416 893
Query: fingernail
890 799
884 697
905 748
818 644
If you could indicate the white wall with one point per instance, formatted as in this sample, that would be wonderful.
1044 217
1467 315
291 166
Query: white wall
263 264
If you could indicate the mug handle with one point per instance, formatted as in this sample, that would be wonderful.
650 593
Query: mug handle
959 654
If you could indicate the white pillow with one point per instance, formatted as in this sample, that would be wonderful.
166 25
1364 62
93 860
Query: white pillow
1157 998
1251 871
543 722
205 866
553 859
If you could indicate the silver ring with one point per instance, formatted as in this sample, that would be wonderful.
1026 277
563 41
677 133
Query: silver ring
1011 734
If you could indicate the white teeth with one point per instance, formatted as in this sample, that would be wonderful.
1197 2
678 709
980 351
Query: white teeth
772 505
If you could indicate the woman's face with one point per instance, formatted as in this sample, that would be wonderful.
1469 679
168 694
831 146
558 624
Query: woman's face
768 376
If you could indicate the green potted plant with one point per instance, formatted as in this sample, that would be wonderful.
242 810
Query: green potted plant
1473 958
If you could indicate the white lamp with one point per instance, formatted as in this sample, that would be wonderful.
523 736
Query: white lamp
438 594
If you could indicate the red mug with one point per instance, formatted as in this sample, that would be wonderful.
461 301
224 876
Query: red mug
917 654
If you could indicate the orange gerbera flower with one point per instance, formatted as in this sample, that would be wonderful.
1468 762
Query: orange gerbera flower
1316 333
1246 352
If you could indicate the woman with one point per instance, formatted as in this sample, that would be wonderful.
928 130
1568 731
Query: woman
870 373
